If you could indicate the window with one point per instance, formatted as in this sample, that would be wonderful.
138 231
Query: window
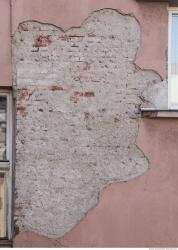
3 194
173 60
171 112
3 123
5 164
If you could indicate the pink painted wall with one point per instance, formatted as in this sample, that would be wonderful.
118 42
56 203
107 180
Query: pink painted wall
5 44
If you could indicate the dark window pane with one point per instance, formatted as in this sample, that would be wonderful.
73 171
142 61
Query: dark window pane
3 120
2 205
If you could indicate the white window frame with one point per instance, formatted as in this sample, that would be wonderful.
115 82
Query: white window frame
6 167
171 11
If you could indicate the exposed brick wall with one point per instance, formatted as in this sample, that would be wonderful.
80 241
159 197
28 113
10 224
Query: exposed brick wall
77 117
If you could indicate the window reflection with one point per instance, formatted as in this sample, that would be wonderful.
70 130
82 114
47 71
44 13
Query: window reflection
3 114
2 205
174 61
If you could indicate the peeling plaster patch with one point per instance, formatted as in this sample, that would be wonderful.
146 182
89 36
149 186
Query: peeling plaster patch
74 145
156 95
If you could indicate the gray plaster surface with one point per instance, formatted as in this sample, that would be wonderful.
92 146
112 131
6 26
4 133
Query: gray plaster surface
156 95
77 117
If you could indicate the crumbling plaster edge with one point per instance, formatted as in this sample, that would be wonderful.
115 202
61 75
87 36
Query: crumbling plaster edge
114 181
83 22
59 239
78 26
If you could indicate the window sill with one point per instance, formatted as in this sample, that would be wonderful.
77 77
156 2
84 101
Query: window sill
171 2
155 113
6 243
4 166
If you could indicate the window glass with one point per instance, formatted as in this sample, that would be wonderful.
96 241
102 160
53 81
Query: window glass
5 165
2 205
3 120
174 62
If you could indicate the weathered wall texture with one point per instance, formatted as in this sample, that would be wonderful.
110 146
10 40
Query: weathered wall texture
143 211
156 95
152 17
138 213
153 46
77 117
